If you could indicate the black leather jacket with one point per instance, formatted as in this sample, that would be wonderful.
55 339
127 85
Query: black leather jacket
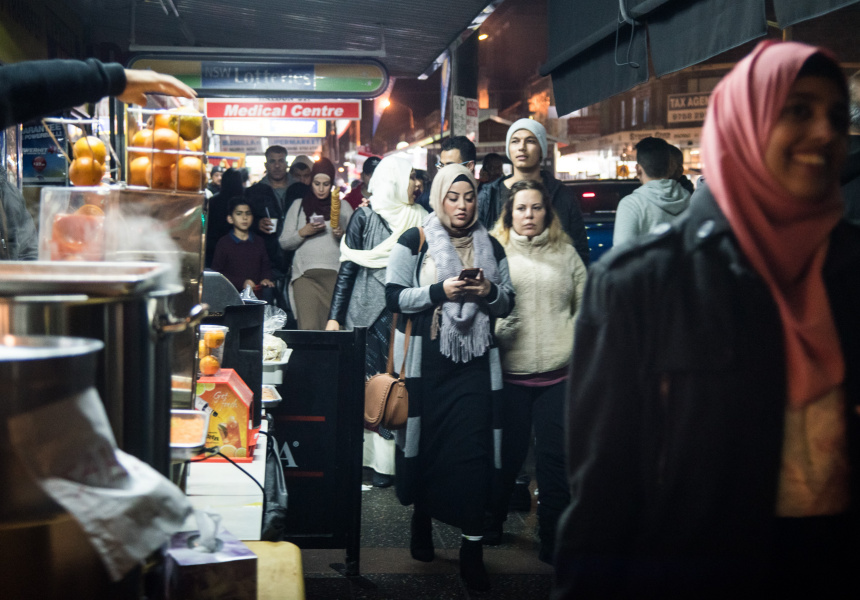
676 414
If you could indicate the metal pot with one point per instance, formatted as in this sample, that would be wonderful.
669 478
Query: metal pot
36 371
128 307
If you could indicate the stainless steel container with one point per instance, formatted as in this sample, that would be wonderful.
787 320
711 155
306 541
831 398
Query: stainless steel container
128 307
36 371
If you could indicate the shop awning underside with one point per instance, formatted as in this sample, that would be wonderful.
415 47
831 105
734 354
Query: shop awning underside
600 48
407 35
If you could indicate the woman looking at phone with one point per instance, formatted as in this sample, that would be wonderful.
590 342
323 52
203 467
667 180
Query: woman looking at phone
536 341
308 231
714 436
359 295
445 456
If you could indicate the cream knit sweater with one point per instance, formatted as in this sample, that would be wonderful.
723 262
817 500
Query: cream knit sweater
537 336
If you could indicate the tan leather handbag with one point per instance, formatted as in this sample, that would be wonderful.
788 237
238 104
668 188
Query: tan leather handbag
386 401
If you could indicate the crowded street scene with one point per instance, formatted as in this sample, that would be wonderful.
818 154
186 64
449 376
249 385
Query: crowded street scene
500 299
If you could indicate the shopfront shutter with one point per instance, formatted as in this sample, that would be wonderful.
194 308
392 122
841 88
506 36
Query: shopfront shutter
684 33
791 12
583 56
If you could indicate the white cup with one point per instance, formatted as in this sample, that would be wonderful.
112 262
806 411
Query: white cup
273 226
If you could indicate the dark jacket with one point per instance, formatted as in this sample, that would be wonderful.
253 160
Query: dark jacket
18 237
491 199
850 181
36 88
359 293
676 414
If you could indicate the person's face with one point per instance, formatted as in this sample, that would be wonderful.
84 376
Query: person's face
303 176
525 150
529 213
276 166
419 186
809 142
241 217
410 191
459 204
453 157
321 186
216 178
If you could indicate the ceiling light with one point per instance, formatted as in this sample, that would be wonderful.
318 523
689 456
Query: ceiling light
483 36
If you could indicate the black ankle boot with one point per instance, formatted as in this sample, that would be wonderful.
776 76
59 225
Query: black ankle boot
472 568
421 542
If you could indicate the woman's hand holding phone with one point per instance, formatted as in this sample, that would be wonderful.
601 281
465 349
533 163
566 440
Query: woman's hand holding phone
453 287
475 283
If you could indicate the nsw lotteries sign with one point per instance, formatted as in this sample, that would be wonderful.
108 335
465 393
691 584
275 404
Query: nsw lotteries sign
687 108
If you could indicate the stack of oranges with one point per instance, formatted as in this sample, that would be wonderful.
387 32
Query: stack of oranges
156 159
87 168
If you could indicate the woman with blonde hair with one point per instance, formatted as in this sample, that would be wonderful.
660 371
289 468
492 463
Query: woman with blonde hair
536 341
359 294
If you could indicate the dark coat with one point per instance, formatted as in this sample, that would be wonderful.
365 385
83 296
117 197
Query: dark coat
676 414
491 199
850 181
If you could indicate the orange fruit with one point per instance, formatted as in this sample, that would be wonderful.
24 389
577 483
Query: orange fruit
190 127
165 139
202 349
92 147
189 173
140 171
196 145
141 139
86 171
90 209
166 120
213 339
163 178
209 365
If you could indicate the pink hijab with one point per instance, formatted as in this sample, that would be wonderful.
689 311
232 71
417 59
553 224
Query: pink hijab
785 240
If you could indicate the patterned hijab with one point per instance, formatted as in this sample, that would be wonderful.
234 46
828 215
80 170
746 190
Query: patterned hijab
784 238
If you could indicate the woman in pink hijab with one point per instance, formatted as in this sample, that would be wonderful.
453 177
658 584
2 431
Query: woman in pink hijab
714 409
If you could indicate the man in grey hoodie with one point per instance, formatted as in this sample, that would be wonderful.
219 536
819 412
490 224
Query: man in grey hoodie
659 199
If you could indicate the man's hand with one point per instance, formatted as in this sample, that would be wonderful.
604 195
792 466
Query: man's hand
139 82
267 283
265 225
249 282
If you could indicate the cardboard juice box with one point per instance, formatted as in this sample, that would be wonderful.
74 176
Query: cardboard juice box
230 401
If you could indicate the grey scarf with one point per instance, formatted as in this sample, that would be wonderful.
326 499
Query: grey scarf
465 331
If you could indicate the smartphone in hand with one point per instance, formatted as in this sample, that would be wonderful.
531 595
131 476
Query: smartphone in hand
469 274
317 219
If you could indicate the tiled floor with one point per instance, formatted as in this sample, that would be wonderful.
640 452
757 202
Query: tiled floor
389 572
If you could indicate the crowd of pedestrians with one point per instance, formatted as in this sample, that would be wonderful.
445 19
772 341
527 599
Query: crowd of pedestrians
691 396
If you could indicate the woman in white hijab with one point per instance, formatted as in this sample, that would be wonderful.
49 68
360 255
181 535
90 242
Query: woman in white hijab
359 294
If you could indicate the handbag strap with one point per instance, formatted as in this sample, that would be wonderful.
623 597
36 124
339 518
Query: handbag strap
390 366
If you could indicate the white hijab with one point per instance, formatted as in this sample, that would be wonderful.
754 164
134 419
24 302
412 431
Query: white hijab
388 190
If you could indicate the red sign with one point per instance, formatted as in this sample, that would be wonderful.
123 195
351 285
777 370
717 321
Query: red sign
249 109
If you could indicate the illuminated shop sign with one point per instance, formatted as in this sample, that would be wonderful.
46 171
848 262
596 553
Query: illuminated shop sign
301 78
245 109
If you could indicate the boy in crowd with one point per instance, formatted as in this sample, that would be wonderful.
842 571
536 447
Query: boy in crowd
241 256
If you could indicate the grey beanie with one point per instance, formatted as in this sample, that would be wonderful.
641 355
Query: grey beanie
536 128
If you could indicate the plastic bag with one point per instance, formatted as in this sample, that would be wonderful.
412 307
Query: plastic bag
274 318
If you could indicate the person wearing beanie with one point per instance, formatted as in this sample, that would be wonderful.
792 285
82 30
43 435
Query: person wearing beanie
214 181
526 147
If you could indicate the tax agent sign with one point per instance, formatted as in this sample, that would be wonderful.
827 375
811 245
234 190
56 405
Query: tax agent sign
214 76
686 108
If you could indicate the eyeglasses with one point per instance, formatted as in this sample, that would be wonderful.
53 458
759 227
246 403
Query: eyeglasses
440 164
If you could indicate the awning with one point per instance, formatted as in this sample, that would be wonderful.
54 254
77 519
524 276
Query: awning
597 48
